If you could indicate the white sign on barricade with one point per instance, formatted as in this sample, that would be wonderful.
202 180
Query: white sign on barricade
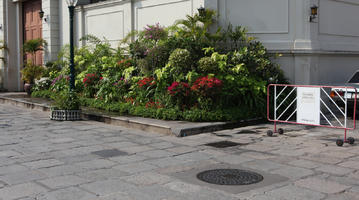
308 105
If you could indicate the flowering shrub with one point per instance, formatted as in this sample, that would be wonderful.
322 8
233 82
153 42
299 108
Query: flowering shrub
185 73
121 82
157 56
146 82
152 104
179 89
91 79
206 86
154 32
145 90
124 63
60 83
42 84
91 82
179 92
122 86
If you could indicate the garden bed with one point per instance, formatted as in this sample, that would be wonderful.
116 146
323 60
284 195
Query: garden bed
183 72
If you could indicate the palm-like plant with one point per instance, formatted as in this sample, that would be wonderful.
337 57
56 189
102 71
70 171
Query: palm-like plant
34 45
197 26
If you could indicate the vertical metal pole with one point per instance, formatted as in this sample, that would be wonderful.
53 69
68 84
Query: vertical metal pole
72 64
345 135
345 117
275 108
275 102
346 107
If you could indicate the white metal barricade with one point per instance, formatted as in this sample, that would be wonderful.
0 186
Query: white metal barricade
323 106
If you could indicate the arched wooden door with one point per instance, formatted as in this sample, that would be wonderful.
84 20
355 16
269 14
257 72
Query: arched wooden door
32 25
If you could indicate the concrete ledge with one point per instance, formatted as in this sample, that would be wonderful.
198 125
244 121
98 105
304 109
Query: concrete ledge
25 104
177 128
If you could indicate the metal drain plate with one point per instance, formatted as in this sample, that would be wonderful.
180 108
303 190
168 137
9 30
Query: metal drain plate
222 144
110 153
5 125
229 177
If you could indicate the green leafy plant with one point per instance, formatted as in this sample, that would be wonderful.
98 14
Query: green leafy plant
31 72
66 100
110 91
207 65
43 94
180 62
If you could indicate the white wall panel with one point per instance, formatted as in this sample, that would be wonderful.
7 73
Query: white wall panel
165 13
100 24
260 16
339 18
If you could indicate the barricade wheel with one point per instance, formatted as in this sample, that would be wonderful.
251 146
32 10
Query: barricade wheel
340 142
351 140
270 133
280 131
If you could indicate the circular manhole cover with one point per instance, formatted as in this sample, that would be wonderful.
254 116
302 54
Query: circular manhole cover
229 177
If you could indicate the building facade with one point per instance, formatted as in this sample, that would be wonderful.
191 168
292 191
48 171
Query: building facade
320 48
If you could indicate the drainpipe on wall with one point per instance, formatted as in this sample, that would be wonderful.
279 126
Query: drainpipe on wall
18 44
4 69
132 19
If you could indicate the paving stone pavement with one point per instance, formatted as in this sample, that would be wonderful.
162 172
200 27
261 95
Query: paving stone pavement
48 160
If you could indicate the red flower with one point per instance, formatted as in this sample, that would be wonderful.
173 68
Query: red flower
124 62
152 104
148 81
178 88
91 79
207 86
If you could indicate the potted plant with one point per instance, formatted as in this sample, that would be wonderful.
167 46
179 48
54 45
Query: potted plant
31 70
66 107
29 74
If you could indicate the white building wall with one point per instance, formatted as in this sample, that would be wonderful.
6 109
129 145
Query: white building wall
114 19
319 52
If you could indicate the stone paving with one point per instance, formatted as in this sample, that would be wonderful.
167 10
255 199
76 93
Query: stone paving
46 160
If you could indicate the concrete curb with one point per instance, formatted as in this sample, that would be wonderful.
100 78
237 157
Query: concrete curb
177 128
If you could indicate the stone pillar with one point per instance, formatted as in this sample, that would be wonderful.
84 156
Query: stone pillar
2 42
11 32
50 29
